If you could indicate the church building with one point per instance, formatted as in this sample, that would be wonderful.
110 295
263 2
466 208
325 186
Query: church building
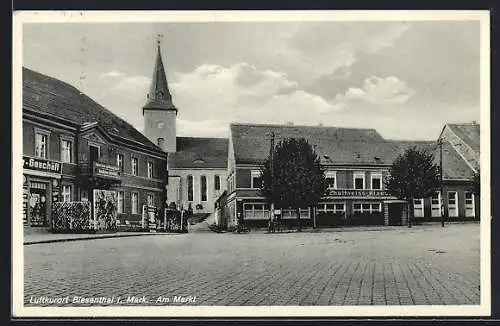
197 166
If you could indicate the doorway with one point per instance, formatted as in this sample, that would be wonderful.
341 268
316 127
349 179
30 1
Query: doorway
38 204
395 211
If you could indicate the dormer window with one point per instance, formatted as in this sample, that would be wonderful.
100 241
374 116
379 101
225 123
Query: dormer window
331 177
198 161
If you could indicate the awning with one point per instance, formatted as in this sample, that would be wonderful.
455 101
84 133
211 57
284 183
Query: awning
42 174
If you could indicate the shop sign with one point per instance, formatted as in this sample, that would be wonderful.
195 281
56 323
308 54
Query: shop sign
41 165
357 193
106 171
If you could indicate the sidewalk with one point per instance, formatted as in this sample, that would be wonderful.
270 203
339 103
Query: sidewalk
47 237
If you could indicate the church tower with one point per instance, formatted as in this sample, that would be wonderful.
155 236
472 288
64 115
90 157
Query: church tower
159 112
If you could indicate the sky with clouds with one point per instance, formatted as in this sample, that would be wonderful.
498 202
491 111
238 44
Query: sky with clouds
405 79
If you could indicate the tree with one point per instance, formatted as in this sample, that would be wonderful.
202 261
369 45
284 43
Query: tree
413 175
476 183
299 179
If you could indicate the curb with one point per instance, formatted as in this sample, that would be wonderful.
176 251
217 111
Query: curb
91 238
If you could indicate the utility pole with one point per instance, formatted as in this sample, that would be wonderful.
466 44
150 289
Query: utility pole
271 167
441 201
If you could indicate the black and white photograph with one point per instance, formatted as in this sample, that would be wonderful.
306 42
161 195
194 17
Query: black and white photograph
273 164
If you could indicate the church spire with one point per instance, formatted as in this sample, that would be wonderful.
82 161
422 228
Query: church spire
159 97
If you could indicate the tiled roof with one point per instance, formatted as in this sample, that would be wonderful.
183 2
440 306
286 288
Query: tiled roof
334 145
197 152
468 132
55 97
454 166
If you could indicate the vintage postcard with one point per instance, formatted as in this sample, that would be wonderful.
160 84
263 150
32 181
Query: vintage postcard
234 164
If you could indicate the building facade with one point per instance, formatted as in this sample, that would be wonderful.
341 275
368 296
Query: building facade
72 146
356 162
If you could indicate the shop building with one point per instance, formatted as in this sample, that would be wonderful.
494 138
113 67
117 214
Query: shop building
72 145
356 163
461 160
197 166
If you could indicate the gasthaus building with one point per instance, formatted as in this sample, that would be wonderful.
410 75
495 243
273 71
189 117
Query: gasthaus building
356 162
72 145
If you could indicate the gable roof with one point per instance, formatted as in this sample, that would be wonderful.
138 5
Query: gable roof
49 95
334 145
468 132
198 152
454 166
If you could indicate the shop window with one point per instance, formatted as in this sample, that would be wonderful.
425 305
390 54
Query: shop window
256 181
366 207
376 181
190 187
452 204
41 144
436 204
331 208
203 188
418 207
359 180
150 170
135 203
470 210
290 213
66 193
66 151
119 161
135 166
120 195
256 211
330 178
217 182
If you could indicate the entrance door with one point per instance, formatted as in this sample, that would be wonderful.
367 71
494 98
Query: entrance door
94 153
395 211
38 204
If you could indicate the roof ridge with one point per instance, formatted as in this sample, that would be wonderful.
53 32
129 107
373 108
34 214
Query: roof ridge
294 125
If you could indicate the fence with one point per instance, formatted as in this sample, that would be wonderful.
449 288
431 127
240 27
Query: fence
72 217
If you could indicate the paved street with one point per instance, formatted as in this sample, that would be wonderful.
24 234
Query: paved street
423 265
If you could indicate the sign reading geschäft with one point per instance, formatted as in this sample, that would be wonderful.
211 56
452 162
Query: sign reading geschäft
39 164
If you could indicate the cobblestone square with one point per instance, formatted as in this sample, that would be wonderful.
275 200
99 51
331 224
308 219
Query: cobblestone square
424 265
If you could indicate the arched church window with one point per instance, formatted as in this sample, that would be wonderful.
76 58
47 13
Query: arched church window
190 187
160 141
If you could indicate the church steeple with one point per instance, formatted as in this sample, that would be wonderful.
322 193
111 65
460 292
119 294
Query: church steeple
159 97
160 114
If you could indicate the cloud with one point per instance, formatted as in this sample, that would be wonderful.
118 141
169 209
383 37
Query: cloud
241 92
379 91
112 74
205 128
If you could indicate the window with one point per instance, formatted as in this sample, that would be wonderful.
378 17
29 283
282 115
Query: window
470 210
160 142
452 204
41 145
330 177
203 188
290 213
150 170
66 193
256 181
135 203
120 202
94 153
256 211
418 207
436 204
190 187
217 182
330 208
151 200
119 161
66 151
135 166
366 207
376 181
359 180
